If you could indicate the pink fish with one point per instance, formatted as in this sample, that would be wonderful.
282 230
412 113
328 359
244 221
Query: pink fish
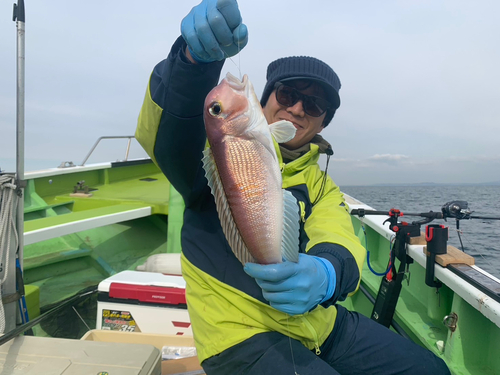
260 219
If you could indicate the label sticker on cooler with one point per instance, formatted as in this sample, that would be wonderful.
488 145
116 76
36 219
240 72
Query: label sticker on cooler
115 320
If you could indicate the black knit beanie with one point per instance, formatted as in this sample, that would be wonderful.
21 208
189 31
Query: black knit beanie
296 67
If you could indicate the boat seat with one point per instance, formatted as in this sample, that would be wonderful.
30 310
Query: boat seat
52 227
33 213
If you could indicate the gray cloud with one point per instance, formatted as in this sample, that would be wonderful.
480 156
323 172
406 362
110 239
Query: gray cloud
388 158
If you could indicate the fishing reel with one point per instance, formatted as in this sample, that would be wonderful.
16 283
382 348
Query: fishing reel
458 210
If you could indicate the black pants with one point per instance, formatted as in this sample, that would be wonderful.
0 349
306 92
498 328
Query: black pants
357 345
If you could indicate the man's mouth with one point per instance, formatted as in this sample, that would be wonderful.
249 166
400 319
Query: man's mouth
297 126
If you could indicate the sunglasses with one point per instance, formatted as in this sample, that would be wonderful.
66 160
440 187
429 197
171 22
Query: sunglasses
288 96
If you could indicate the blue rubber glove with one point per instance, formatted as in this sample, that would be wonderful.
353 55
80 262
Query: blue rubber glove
295 288
213 30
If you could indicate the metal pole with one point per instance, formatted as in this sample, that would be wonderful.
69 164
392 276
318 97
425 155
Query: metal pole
20 15
91 151
108 137
128 149
9 288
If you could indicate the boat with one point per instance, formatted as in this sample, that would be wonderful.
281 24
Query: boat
80 225
134 213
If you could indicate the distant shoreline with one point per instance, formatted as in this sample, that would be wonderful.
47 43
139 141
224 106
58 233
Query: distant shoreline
494 183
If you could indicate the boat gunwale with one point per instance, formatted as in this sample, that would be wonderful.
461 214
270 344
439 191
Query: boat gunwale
486 305
78 168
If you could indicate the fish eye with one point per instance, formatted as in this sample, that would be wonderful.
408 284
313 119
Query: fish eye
215 109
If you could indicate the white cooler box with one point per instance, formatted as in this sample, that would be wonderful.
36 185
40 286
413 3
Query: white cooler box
148 302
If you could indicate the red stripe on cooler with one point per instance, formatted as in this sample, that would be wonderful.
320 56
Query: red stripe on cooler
148 293
181 324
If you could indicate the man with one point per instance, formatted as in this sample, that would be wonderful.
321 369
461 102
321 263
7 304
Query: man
278 318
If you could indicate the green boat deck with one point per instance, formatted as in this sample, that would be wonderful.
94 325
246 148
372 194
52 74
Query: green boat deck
135 227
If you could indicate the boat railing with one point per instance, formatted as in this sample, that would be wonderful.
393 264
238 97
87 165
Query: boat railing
129 137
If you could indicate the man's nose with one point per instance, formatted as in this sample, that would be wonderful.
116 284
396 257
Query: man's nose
297 109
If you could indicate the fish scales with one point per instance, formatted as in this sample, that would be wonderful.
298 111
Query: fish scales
259 219
253 192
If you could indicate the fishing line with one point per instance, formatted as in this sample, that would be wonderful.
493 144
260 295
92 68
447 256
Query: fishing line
239 56
239 50
291 349
473 248
287 325
239 70
81 318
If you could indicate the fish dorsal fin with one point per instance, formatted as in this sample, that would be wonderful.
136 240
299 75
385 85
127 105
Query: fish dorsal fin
282 131
291 228
229 228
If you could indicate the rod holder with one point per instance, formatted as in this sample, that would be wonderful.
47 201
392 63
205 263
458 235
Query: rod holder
437 238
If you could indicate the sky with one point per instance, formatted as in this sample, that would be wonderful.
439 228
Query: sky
420 80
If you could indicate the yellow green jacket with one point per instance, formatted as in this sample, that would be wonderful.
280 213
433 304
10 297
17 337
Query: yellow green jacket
226 305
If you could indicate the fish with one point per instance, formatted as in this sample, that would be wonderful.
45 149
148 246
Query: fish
259 218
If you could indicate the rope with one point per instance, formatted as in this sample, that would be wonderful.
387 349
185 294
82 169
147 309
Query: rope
8 204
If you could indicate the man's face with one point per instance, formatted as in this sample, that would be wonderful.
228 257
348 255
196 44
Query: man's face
307 126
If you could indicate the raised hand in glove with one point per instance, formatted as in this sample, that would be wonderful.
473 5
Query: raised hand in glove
295 288
213 30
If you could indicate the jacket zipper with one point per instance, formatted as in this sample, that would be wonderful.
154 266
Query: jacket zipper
314 334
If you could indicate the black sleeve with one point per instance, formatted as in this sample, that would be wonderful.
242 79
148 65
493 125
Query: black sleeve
346 269
180 87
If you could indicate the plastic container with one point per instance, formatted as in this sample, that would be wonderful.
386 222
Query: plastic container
50 356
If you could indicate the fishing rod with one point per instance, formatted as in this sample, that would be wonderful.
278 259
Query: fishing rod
70 301
458 210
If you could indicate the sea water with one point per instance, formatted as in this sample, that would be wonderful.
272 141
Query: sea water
481 238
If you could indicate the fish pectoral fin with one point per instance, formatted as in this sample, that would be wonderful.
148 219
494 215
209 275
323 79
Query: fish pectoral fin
282 131
229 228
291 228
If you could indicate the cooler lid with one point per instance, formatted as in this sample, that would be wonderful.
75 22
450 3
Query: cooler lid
148 293
144 279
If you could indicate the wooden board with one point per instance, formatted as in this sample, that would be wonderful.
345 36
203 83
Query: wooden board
418 240
453 256
82 195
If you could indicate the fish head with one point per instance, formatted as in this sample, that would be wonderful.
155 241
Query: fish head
231 108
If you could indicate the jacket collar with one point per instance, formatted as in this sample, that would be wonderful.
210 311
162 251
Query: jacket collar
292 155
